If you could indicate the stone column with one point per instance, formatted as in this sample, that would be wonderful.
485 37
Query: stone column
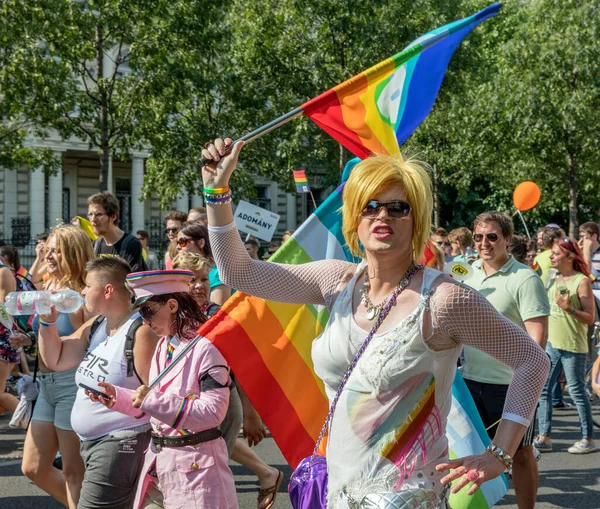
183 201
37 185
55 195
137 182
291 211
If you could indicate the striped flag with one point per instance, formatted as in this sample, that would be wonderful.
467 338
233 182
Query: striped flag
301 181
378 109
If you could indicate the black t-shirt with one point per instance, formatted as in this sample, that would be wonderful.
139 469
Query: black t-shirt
128 247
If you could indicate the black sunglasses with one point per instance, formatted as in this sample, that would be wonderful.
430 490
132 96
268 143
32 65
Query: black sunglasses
172 230
395 209
492 237
146 312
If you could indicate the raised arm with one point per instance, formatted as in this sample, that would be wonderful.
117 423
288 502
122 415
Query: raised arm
61 354
310 283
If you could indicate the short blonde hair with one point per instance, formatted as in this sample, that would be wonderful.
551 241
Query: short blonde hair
76 251
192 261
376 174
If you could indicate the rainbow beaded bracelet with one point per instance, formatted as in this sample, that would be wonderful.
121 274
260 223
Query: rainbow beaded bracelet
500 455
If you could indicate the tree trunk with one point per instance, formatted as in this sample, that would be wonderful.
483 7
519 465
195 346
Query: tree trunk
436 197
573 223
103 112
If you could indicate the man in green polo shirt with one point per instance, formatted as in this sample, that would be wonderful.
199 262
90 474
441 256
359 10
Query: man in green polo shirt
518 293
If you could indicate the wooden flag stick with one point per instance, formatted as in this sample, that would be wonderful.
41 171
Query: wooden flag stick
313 199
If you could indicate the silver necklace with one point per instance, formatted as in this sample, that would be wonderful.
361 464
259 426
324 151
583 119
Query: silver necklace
374 310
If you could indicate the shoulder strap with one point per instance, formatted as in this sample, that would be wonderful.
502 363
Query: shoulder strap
95 324
129 341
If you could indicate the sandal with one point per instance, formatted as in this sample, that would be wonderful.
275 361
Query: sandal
265 492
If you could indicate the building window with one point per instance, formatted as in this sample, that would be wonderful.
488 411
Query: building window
123 194
262 200
66 204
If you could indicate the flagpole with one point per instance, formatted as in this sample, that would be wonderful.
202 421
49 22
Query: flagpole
313 199
180 356
257 133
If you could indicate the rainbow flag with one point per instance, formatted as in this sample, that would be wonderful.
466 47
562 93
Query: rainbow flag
378 109
301 181
268 345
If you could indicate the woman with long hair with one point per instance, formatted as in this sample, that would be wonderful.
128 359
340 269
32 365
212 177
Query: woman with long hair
67 251
193 238
571 311
240 410
409 362
186 465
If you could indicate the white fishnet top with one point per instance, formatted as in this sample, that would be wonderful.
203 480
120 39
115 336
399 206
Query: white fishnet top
457 315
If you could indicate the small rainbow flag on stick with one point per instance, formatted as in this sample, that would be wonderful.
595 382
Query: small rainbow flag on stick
301 181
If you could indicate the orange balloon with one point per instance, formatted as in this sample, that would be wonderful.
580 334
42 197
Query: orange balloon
526 195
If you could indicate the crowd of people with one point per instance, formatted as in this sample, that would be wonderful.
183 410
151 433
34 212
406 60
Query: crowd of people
520 328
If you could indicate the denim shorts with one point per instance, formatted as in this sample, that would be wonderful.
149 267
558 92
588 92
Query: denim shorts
56 398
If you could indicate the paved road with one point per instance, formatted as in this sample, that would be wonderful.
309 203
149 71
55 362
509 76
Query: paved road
566 481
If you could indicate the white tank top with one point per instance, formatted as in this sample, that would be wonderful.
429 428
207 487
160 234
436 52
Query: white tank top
103 362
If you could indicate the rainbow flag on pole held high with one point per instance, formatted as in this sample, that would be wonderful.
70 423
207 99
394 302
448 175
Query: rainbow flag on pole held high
301 181
268 344
378 109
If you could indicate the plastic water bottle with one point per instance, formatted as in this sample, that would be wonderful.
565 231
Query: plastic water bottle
38 303
469 252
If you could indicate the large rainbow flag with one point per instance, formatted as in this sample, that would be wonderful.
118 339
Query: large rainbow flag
377 110
268 344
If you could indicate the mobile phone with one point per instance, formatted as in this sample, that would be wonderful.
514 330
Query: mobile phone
95 391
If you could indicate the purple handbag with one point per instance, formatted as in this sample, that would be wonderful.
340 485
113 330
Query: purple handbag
308 484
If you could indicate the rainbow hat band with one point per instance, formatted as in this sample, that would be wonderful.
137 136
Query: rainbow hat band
144 285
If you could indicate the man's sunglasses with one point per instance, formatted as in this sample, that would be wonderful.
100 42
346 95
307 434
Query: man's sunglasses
146 312
395 209
171 230
183 241
492 237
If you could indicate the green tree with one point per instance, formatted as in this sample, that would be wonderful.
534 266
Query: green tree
528 111
83 68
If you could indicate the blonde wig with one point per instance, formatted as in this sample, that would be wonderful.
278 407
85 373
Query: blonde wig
379 173
76 251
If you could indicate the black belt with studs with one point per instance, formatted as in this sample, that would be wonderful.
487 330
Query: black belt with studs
160 441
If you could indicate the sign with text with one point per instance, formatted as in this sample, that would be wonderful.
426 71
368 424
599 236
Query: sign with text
253 220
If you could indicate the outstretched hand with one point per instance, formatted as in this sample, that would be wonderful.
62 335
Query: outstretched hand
477 469
218 172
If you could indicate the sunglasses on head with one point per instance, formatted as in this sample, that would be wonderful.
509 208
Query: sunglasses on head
171 230
146 312
183 241
492 237
396 209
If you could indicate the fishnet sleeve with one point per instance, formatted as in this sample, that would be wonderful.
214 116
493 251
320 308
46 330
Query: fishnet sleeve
461 315
308 283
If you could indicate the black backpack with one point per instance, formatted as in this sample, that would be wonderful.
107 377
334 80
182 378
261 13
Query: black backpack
129 340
